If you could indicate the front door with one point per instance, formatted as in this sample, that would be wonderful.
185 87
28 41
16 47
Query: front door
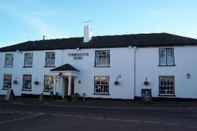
72 86
65 86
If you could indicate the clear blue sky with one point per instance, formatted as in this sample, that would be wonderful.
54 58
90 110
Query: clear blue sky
22 20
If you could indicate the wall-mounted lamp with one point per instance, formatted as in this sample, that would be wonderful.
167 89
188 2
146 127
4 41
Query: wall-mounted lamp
15 82
36 82
79 81
117 81
188 75
146 82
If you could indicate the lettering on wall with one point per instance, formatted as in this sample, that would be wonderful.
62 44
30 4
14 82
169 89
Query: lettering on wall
78 56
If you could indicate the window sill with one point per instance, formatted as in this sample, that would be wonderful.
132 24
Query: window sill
166 65
26 89
46 91
52 66
5 89
102 94
8 67
27 66
167 95
102 66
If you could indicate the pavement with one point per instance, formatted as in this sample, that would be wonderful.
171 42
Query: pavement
40 117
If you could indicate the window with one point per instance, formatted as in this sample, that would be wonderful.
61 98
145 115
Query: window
28 59
27 82
7 81
50 59
102 85
166 56
9 60
166 86
102 58
48 83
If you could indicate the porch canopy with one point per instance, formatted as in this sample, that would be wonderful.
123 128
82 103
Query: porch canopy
66 69
70 73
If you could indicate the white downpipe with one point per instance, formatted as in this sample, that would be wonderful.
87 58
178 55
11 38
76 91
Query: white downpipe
134 70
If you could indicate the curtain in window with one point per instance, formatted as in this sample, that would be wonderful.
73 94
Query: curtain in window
102 85
162 56
102 58
48 83
9 60
27 82
50 59
170 56
28 60
7 81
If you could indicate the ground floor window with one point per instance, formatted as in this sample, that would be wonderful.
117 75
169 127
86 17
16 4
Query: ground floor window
102 85
48 83
27 82
166 85
7 81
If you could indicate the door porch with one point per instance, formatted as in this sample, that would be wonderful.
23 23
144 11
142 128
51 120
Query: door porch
65 76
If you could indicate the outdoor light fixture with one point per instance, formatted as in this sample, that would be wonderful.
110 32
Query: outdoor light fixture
36 82
146 82
117 81
15 82
79 81
188 75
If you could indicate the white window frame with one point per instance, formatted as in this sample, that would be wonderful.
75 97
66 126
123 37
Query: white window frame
49 59
8 62
101 85
25 88
168 86
7 84
166 57
102 58
48 83
28 59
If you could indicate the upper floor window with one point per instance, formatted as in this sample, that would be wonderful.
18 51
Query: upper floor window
28 59
9 59
7 81
27 82
102 58
166 56
48 83
101 85
50 59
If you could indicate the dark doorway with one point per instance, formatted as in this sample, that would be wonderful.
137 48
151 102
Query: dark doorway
66 86
72 86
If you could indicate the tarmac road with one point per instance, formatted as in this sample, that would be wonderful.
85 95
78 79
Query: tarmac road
17 117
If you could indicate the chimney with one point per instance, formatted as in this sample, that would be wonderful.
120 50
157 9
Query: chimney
87 33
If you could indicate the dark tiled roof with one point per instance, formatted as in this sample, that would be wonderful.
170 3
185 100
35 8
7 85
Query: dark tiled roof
139 40
65 67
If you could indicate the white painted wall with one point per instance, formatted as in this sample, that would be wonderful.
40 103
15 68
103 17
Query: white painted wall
147 65
120 61
147 61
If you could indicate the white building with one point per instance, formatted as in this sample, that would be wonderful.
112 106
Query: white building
116 67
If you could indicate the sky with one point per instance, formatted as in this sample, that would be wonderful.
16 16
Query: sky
24 20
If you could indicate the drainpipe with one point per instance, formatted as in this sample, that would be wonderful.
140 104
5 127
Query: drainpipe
134 70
